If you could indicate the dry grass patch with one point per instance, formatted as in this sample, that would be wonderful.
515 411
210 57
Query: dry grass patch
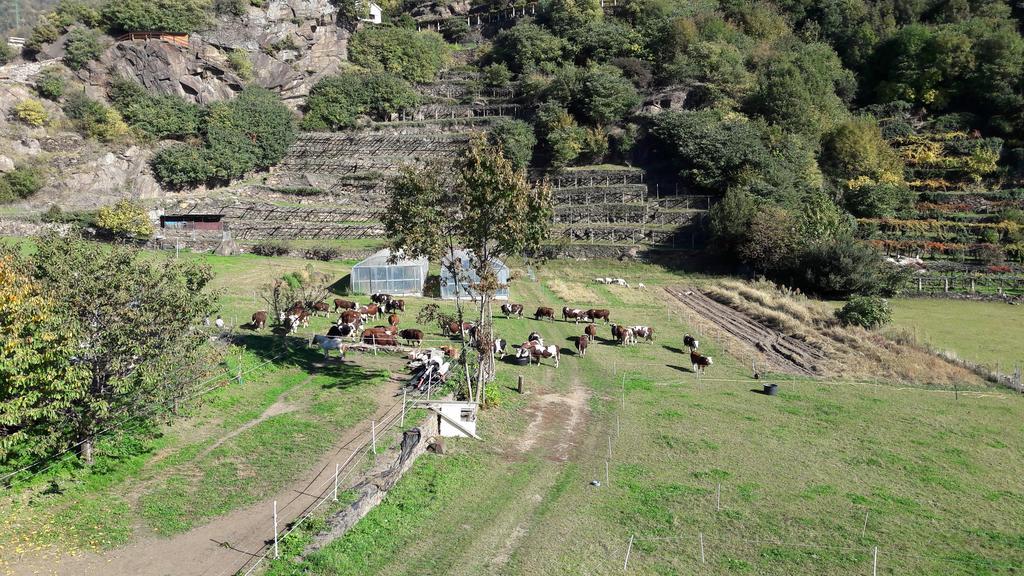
573 292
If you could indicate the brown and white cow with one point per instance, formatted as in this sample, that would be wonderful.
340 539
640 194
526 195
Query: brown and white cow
370 311
623 335
509 309
581 344
591 331
351 316
454 329
381 299
412 336
644 332
573 314
321 308
544 312
700 362
259 319
378 337
539 351
594 313
393 319
394 306
340 304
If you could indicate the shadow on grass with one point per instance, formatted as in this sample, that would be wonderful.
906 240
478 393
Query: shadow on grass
681 368
294 351
673 349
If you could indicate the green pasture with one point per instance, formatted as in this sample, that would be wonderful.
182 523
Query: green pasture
989 333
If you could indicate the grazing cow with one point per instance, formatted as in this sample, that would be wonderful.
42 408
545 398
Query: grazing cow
594 313
454 329
381 299
321 308
412 336
539 351
351 316
259 319
641 286
602 280
544 312
624 335
581 344
535 338
619 282
645 332
512 310
700 362
370 311
690 342
327 343
340 304
394 306
591 331
378 337
393 319
573 314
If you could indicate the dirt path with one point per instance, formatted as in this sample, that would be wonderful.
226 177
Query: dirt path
222 546
783 354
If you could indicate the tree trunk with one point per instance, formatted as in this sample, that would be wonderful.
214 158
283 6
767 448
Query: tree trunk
485 373
85 451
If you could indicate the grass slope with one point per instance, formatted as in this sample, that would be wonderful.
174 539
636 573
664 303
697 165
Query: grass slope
937 477
989 333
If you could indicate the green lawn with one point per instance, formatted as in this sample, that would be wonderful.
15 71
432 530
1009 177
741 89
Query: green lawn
986 332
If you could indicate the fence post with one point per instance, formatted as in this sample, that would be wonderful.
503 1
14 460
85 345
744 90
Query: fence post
404 392
629 549
276 555
337 469
702 560
874 562
373 434
718 497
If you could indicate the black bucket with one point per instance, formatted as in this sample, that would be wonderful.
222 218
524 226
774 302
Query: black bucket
771 389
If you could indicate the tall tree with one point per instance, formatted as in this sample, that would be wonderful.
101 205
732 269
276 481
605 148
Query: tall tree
132 316
488 208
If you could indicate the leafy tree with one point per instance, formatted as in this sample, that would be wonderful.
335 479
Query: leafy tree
411 55
731 218
600 41
496 75
516 140
181 166
561 137
46 31
81 47
865 311
843 268
31 112
526 46
133 318
772 241
866 169
125 218
174 16
250 132
157 116
491 210
604 95
335 102
50 83
568 16
39 379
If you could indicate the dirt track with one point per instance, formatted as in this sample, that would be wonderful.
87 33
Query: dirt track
782 353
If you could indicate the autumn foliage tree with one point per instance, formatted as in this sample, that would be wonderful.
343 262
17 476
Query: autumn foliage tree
488 208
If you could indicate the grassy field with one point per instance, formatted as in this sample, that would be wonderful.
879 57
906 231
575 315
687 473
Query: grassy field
989 333
937 476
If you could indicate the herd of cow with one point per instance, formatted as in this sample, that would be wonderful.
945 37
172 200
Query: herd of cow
353 317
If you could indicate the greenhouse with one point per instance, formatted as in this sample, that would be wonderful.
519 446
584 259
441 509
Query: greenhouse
404 277
448 291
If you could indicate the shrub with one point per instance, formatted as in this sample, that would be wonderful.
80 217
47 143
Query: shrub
230 7
31 112
180 166
414 56
271 248
865 311
50 84
158 116
594 145
516 140
20 183
240 62
46 31
335 102
526 46
53 214
561 136
250 132
496 75
125 218
81 47
6 53
94 119
174 16
324 253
